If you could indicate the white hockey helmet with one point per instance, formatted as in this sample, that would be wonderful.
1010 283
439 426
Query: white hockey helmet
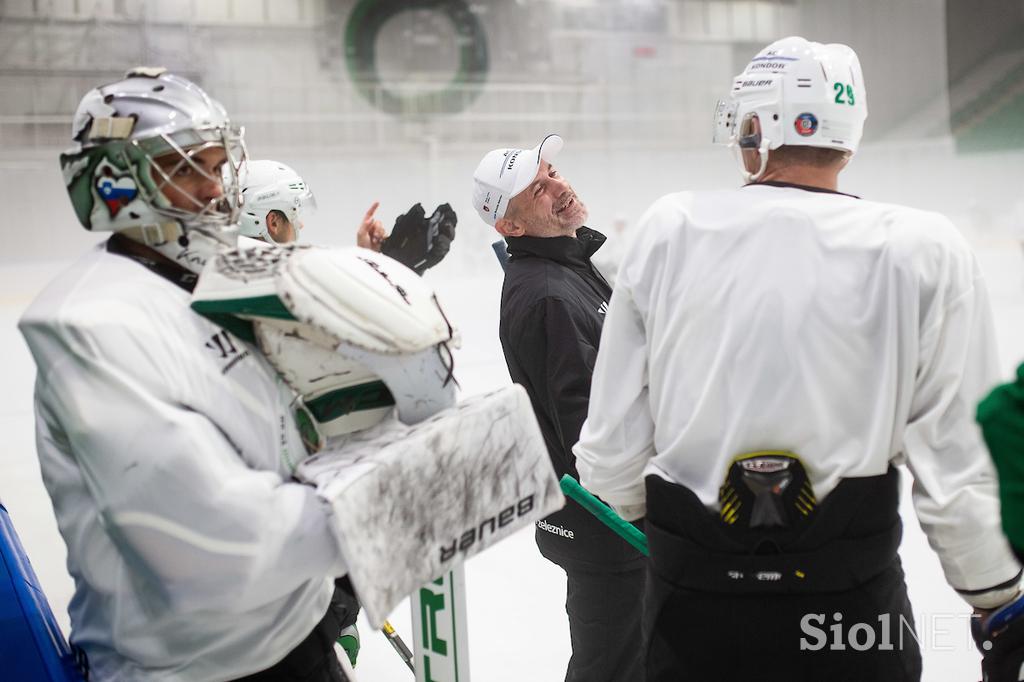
120 128
803 94
273 186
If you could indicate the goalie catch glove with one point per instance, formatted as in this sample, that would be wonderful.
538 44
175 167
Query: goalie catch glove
1000 639
419 242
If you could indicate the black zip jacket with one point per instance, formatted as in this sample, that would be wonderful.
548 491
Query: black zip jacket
553 304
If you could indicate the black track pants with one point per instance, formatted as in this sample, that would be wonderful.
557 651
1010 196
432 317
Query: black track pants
604 611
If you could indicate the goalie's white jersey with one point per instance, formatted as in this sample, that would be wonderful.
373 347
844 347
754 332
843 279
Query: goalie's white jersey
167 446
850 332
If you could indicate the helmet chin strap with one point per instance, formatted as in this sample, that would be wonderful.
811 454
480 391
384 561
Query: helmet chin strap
762 153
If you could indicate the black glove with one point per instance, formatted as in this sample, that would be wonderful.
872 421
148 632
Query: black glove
419 242
1000 639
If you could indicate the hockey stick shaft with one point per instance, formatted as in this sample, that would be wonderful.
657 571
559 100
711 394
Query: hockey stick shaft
389 631
604 513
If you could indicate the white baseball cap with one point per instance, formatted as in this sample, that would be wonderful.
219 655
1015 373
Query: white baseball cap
504 173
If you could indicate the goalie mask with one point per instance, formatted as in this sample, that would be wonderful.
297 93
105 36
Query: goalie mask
801 93
142 144
272 186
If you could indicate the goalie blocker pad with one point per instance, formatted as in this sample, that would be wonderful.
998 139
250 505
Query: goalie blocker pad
412 502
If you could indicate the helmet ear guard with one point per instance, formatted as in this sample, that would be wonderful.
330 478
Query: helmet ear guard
749 137
732 132
104 187
762 150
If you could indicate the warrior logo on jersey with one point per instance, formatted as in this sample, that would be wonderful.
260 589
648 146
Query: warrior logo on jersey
221 343
116 191
806 124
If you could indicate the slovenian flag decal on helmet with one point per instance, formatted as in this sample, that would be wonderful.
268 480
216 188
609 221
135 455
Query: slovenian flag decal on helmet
116 191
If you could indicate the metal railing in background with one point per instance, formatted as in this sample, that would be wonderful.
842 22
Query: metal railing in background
279 68
337 117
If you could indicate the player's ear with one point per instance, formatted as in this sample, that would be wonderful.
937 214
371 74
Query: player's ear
507 227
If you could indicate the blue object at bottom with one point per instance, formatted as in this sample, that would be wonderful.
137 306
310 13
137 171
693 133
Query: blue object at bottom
32 647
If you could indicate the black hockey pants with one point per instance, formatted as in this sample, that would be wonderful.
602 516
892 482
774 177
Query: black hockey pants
830 604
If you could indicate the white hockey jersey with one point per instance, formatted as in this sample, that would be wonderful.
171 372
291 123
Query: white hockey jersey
167 447
853 333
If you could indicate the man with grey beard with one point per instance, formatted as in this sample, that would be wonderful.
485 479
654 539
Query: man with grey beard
553 304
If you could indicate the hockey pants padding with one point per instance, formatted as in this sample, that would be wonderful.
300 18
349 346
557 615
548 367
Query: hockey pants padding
828 603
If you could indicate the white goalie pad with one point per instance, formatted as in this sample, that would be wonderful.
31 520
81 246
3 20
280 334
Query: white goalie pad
307 358
412 502
352 294
315 365
364 299
421 383
335 322
321 375
239 279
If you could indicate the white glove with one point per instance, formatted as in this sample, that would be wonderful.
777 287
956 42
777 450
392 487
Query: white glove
631 512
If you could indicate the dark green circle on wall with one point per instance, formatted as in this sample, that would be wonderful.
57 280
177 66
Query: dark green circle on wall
364 24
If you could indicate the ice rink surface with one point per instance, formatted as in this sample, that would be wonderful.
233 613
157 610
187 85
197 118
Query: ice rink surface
516 614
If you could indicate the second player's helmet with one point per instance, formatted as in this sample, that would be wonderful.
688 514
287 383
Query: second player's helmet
272 186
802 93
120 129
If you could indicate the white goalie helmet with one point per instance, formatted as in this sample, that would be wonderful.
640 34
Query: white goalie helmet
802 93
272 186
121 128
